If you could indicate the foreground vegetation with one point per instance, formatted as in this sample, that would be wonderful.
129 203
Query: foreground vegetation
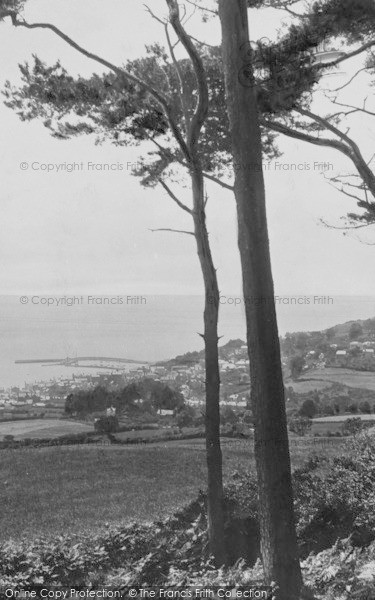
80 488
334 508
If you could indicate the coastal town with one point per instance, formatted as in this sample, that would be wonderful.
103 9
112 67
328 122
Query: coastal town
46 399
347 346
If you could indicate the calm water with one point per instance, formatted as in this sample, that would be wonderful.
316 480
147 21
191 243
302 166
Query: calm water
160 328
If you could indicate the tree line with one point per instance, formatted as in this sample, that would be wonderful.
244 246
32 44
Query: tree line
146 395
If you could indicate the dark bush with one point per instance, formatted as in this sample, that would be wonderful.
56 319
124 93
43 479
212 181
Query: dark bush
107 424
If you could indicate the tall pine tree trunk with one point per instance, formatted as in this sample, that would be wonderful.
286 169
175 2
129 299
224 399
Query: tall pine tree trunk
278 535
211 315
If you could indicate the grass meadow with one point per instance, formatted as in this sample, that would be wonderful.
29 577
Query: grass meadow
323 425
42 428
303 386
355 379
75 489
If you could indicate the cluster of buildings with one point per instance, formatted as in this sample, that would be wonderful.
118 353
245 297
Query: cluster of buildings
341 355
190 379
366 348
39 399
46 399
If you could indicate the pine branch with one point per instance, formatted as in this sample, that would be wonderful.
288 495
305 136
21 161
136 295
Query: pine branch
160 98
350 149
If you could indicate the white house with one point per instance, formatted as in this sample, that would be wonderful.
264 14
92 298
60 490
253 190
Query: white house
165 412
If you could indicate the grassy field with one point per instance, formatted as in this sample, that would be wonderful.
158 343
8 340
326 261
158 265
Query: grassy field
342 418
323 427
303 387
143 433
356 379
334 423
80 488
42 428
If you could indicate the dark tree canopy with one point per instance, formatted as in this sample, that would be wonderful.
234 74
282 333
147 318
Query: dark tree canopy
155 394
10 7
113 108
122 112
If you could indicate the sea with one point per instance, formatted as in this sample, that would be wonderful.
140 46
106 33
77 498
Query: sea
140 328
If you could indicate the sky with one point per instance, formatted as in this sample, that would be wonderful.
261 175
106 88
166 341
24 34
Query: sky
89 231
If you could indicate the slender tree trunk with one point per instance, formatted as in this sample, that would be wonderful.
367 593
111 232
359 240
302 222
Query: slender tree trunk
278 535
211 307
211 315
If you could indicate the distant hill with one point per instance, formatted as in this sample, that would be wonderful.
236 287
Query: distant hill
341 335
191 358
292 344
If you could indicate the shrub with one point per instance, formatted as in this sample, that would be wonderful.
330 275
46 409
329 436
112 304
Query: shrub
300 425
308 409
365 407
108 424
352 426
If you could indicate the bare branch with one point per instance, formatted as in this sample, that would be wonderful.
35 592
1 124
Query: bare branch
183 163
205 199
293 13
224 185
158 19
305 137
182 86
213 12
342 190
200 42
186 17
350 149
355 108
350 80
201 109
341 59
174 197
173 231
346 227
364 242
327 125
